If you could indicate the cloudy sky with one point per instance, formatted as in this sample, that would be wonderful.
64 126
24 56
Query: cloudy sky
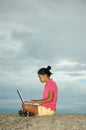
38 33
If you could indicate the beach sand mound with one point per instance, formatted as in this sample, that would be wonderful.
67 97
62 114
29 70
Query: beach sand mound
55 122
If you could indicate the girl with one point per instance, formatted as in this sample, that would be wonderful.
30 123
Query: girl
48 102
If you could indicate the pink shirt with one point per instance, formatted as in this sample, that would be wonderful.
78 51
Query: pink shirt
50 86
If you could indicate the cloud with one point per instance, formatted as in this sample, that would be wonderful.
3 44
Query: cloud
71 64
69 70
55 30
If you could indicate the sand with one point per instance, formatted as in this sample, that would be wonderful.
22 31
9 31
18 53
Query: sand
55 122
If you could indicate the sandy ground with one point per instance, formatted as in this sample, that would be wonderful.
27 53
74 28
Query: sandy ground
56 122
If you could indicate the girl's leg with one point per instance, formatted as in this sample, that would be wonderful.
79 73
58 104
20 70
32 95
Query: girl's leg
30 108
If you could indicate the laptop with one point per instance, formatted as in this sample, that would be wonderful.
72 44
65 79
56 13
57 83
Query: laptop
22 100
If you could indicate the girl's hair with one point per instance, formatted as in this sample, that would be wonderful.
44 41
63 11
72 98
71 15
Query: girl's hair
45 71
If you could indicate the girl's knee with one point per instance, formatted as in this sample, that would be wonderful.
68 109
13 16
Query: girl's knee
24 106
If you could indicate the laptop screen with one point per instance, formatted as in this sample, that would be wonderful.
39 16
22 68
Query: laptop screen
20 96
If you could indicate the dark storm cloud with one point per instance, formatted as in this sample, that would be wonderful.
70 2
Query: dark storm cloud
57 30
46 31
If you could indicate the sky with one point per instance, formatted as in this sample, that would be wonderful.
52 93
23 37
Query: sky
38 33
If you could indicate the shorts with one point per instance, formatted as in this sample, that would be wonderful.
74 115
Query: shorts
42 111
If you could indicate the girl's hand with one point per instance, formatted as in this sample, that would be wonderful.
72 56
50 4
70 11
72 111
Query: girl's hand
35 102
32 101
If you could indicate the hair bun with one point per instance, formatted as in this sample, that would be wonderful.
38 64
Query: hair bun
49 67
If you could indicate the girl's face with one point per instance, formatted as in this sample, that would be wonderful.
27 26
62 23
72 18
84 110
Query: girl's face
42 78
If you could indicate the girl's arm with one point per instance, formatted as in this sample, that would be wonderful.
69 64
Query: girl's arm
48 99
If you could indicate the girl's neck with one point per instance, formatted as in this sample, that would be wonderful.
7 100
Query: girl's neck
47 79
